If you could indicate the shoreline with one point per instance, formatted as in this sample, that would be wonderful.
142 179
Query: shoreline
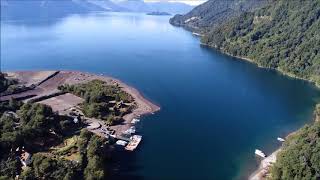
265 164
259 66
264 167
50 83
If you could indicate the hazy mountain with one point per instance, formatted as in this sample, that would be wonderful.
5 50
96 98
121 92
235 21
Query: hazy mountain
18 9
42 9
108 5
141 6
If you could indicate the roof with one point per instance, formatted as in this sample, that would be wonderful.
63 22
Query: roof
25 156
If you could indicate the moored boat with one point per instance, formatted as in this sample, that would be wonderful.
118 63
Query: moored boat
121 143
259 153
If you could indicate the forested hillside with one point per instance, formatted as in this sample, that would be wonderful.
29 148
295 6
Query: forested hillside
284 35
212 13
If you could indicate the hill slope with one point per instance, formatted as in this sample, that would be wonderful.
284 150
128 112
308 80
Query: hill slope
214 12
285 35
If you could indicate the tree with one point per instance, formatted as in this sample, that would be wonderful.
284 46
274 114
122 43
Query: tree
9 167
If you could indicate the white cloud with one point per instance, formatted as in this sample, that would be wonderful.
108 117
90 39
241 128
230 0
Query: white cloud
190 2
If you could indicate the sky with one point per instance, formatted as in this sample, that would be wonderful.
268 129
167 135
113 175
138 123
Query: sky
190 2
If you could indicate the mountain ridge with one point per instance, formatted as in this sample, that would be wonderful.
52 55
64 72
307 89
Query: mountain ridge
31 9
214 12
284 35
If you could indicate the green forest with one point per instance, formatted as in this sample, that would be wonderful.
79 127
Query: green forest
4 83
284 35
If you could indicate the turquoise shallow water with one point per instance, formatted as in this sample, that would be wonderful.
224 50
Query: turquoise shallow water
215 109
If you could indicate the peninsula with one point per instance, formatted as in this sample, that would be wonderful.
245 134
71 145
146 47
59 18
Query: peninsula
68 120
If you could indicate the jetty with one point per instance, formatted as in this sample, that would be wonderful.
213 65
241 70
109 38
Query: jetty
133 144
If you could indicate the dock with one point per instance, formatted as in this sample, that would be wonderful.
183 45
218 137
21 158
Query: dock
133 144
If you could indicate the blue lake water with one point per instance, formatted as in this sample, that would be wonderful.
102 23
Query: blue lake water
215 109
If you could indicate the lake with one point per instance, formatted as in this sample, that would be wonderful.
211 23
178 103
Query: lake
215 109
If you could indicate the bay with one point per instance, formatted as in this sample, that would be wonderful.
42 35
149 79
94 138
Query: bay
215 109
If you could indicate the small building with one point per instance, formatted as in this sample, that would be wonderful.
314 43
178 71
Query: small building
11 114
135 121
121 143
25 158
76 120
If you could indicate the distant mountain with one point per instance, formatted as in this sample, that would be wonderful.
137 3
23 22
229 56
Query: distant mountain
108 5
214 12
26 9
157 13
141 6
43 9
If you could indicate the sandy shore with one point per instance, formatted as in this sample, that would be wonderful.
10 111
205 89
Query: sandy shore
264 168
50 83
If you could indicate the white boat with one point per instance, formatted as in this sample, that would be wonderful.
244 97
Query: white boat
134 121
131 130
196 34
111 135
121 143
281 139
259 153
